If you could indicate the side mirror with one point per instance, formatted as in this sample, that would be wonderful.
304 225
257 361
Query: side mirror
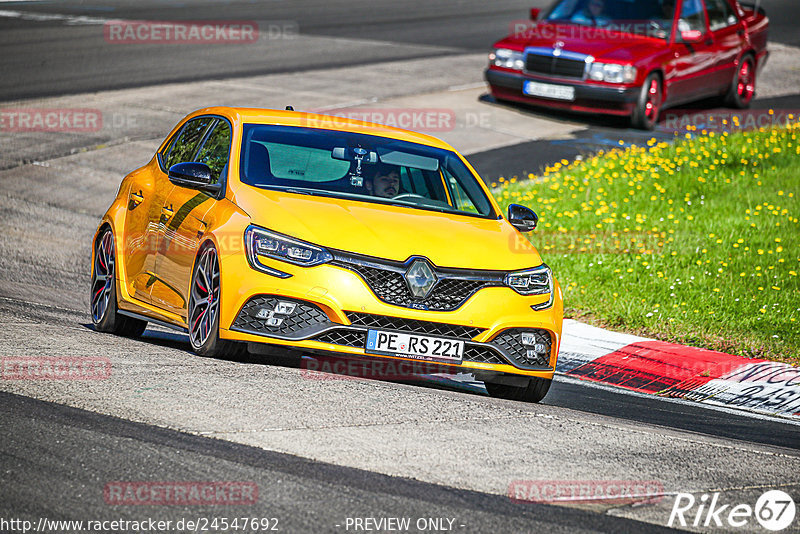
522 218
193 175
690 36
535 13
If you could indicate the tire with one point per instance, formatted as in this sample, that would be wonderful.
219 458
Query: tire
203 313
535 391
103 297
743 86
648 105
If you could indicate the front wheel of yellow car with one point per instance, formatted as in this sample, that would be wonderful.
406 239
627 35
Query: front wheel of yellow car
105 315
535 391
203 313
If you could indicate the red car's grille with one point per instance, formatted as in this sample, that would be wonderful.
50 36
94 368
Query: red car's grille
554 66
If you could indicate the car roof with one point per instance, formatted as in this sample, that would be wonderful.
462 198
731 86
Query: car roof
321 121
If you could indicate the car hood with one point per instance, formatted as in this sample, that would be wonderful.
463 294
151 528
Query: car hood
599 44
391 232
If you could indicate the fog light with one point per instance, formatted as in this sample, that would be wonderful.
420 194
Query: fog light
528 338
275 316
285 308
534 355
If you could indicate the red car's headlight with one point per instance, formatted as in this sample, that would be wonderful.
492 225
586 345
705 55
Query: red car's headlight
507 58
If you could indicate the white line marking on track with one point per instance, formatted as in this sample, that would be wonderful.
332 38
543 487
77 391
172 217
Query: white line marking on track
69 20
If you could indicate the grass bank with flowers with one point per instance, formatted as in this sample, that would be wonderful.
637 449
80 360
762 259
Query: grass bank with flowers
695 242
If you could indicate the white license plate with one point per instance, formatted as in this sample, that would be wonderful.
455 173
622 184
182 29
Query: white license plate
548 90
416 347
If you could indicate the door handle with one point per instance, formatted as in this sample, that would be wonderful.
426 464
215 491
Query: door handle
709 42
137 198
166 211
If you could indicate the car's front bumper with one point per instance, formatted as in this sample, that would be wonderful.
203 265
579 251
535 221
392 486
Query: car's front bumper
335 308
589 98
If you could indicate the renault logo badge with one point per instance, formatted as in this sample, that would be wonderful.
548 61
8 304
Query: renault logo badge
420 279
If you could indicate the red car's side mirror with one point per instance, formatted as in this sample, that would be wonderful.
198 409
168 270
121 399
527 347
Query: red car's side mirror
691 36
535 13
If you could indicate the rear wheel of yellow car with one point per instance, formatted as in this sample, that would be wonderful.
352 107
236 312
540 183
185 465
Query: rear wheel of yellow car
535 391
203 312
103 302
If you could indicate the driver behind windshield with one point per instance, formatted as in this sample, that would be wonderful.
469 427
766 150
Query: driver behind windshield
384 182
592 13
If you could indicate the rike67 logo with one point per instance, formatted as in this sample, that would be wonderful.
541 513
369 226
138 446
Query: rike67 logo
774 510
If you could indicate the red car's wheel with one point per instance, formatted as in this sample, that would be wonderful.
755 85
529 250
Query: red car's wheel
648 106
105 315
743 86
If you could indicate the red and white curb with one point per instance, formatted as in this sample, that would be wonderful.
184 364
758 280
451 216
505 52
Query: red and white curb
676 371
651 367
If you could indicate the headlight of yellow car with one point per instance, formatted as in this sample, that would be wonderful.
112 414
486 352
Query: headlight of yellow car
536 281
261 243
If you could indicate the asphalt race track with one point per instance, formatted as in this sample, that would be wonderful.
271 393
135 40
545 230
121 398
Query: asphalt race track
320 451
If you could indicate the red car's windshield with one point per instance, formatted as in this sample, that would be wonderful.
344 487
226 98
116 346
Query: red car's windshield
647 17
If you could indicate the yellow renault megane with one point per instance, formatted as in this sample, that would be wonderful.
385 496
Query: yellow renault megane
276 228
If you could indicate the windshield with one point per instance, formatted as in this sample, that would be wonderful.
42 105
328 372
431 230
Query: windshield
360 167
644 17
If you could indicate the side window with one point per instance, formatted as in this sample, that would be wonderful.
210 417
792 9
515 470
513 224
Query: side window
720 14
460 198
692 16
216 149
184 147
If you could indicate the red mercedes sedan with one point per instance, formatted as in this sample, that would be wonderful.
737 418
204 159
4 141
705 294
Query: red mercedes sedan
631 58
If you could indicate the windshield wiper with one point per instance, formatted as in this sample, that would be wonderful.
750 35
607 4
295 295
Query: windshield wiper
299 191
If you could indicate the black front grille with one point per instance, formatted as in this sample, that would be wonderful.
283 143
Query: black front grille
511 343
413 325
348 337
555 66
351 337
389 285
305 318
477 353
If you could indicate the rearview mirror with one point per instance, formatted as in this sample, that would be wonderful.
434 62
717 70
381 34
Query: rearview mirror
344 154
535 13
690 36
522 218
193 175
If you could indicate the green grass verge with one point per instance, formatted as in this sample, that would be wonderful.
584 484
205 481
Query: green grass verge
695 242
